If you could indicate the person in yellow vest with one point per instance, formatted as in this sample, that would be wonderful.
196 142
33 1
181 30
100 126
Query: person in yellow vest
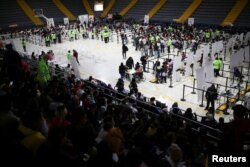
169 43
47 41
216 66
53 37
207 35
69 56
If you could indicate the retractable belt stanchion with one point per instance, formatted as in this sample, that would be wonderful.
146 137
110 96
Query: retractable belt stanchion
192 74
202 99
170 82
183 93
193 92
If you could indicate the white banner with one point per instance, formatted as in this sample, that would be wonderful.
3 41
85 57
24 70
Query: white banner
190 21
146 19
66 21
50 22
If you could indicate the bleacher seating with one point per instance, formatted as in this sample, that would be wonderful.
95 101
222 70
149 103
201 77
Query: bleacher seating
12 14
212 11
243 19
76 7
119 5
140 9
171 10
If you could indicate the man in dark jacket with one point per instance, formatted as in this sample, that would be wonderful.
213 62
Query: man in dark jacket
211 95
124 51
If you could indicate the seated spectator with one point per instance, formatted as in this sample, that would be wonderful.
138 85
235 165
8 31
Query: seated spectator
189 113
237 129
57 150
175 109
60 116
120 85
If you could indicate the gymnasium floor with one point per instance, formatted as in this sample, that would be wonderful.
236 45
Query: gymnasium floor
102 61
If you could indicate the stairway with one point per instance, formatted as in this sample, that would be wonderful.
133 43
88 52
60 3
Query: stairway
189 11
244 17
108 8
173 9
75 7
119 5
64 10
140 9
235 12
156 8
88 8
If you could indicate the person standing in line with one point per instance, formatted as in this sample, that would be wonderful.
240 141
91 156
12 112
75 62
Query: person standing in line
122 70
211 95
144 62
24 45
124 51
75 55
216 66
69 56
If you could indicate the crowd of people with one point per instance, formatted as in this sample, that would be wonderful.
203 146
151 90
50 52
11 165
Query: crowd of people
52 120
48 119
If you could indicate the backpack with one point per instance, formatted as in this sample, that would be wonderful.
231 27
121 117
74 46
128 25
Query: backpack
126 48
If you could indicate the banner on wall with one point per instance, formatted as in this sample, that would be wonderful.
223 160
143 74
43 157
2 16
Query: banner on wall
50 22
110 16
190 21
146 19
83 18
66 21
